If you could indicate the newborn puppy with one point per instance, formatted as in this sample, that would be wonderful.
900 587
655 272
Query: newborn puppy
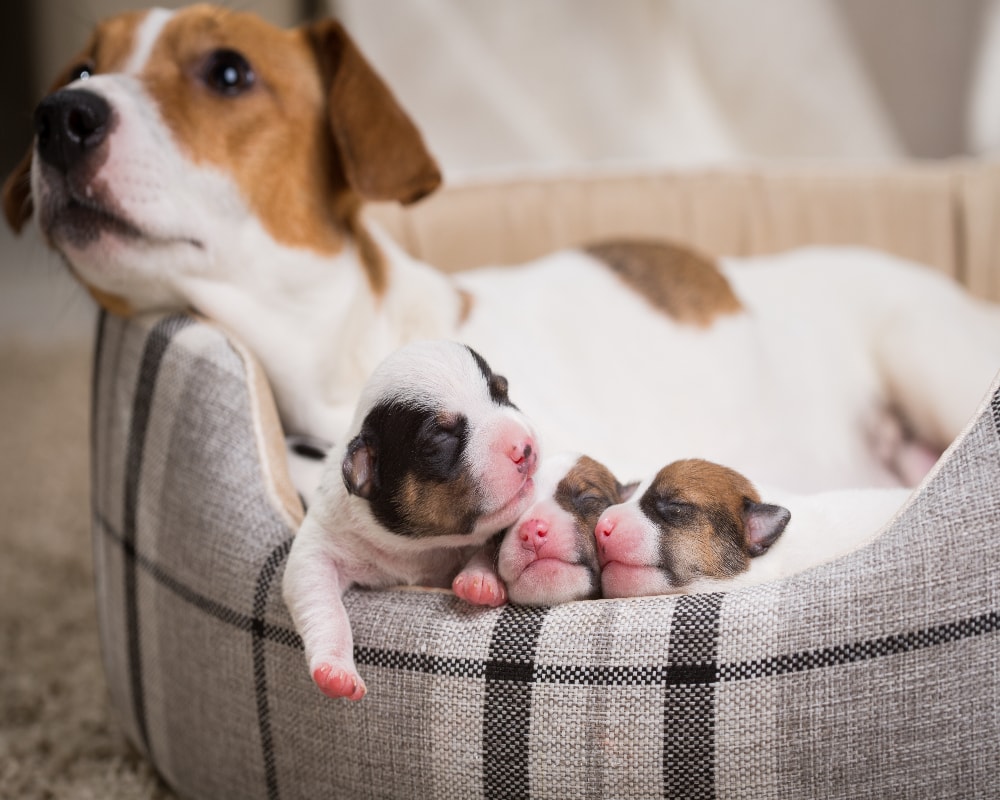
693 521
548 556
436 462
700 527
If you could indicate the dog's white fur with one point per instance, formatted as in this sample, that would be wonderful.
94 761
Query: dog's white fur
796 389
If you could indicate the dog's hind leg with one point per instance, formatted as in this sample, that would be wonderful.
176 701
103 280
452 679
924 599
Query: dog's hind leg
938 356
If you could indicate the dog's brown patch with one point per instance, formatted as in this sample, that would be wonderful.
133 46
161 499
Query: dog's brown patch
698 506
431 508
272 139
282 140
679 281
370 255
382 152
587 489
585 492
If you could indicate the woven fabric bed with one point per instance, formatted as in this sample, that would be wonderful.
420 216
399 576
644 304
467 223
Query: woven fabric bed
875 676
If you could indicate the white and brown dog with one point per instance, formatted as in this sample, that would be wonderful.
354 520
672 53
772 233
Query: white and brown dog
696 526
204 159
437 462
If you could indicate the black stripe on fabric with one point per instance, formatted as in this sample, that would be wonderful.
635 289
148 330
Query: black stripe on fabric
509 673
95 380
867 650
995 406
420 663
689 698
156 346
261 595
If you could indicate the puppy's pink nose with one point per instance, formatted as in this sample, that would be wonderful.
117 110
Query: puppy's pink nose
523 454
533 532
605 527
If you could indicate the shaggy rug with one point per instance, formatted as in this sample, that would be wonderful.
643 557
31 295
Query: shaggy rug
58 737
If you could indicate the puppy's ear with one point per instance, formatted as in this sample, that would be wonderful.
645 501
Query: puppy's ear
358 468
17 203
625 492
762 525
382 152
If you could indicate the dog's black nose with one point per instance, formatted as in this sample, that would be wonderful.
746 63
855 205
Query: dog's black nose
69 124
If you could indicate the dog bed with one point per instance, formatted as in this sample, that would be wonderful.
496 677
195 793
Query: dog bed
877 675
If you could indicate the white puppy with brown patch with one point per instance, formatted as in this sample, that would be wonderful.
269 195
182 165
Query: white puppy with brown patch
697 526
437 461
204 159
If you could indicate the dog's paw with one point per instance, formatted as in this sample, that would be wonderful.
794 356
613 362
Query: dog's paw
480 587
339 682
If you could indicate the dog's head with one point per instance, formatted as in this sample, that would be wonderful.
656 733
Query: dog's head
438 451
175 139
548 556
694 520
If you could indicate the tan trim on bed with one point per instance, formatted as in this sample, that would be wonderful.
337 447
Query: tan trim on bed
269 435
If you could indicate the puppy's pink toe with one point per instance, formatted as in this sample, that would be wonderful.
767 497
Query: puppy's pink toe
335 682
480 589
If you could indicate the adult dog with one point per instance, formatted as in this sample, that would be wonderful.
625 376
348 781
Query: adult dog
205 159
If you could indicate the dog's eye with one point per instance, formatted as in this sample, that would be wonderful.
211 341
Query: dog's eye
588 503
81 72
441 445
673 511
228 72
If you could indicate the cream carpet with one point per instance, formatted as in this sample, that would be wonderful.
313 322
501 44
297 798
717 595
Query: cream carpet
58 738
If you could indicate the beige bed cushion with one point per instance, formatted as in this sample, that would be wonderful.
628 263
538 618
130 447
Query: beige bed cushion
943 214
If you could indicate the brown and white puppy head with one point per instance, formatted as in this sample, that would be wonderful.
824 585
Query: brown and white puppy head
548 556
177 142
694 520
439 454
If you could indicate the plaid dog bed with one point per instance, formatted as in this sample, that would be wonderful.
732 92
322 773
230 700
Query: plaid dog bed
876 676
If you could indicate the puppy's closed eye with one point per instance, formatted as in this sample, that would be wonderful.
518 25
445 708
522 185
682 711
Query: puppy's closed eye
674 511
440 445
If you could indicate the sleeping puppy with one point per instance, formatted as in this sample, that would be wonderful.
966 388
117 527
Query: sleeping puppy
438 460
548 556
701 527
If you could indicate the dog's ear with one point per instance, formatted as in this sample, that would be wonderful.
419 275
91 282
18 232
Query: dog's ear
382 152
17 203
625 492
763 523
358 468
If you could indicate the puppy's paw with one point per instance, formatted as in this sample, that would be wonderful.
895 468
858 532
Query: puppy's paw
338 682
480 587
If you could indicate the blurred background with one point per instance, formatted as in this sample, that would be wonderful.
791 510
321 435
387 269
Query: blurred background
520 85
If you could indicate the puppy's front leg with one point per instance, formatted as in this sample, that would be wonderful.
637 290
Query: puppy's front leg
313 589
478 582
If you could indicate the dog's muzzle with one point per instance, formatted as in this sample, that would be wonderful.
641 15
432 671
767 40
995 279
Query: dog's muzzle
69 125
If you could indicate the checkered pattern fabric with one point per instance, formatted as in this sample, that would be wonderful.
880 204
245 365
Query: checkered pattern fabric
875 676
